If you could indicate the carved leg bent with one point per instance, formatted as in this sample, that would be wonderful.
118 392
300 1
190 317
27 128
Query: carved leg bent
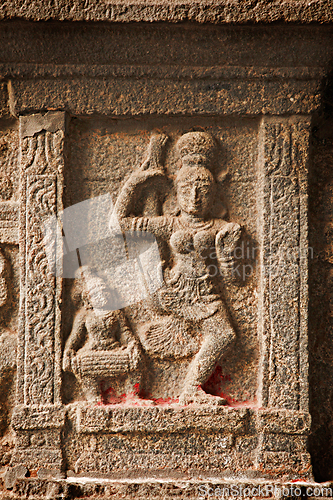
132 390
218 335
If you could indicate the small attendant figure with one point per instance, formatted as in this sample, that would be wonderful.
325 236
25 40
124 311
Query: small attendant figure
101 345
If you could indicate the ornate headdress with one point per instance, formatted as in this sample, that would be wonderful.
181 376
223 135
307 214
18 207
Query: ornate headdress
200 145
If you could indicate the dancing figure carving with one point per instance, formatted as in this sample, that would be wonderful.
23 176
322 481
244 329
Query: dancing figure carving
190 317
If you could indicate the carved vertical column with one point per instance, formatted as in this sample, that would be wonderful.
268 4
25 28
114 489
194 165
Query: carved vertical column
39 376
283 300
283 157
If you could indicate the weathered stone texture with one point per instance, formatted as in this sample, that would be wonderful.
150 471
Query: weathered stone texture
283 225
4 100
209 145
145 96
227 11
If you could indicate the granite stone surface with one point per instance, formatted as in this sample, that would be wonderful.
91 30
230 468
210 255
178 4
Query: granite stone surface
165 250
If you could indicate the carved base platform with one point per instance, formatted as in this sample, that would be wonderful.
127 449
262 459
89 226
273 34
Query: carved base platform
187 442
165 442
153 489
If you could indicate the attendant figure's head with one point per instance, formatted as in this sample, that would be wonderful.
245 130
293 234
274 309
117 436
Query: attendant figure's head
91 289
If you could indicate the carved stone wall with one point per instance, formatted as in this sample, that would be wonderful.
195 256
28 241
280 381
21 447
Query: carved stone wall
156 304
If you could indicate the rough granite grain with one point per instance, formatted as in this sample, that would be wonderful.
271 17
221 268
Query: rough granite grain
224 12
173 338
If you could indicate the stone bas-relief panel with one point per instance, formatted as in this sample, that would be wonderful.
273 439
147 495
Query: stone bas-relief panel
146 167
106 390
143 371
141 344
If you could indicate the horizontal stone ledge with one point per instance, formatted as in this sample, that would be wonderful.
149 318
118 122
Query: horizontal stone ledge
117 419
129 97
159 71
223 12
112 463
113 419
38 417
50 458
152 488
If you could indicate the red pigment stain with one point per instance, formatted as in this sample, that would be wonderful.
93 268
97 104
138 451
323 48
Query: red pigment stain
163 401
110 397
217 384
158 401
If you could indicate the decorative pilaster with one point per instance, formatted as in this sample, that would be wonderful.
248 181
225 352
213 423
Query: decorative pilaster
283 158
283 287
39 354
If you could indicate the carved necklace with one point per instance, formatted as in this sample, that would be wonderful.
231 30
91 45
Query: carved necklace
200 225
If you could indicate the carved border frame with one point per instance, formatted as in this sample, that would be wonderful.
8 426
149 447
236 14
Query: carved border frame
282 183
283 231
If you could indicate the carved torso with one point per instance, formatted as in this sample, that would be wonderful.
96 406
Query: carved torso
189 290
193 247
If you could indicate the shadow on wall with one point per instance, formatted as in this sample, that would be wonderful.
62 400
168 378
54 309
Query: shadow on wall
8 340
7 337
321 288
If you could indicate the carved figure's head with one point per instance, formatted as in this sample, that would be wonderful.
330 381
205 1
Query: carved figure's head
3 283
93 288
195 190
196 149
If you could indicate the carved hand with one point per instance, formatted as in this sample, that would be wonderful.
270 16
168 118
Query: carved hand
152 166
142 174
226 241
